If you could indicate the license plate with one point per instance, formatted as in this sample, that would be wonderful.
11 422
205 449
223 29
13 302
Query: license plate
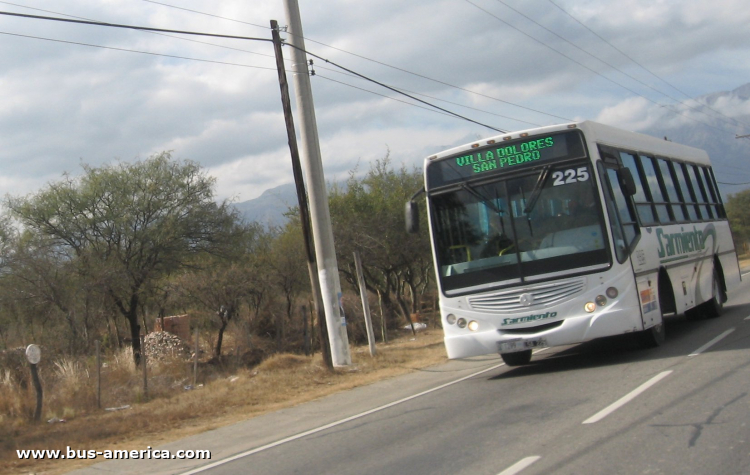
519 344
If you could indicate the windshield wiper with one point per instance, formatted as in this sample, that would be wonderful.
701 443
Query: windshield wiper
537 191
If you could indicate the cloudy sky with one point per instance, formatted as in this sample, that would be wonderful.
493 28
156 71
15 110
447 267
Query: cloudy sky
73 94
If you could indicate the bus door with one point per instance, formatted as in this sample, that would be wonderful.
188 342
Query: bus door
618 187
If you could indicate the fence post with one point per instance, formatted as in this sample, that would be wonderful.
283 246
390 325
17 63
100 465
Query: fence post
98 375
145 370
195 361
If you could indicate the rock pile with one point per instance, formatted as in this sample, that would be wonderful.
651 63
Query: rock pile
162 346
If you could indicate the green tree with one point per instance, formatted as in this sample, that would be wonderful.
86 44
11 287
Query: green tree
222 285
368 216
130 225
43 279
738 212
287 271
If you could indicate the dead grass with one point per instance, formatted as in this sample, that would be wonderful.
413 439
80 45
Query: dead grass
282 380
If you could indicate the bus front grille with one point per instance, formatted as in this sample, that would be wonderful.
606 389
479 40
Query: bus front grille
528 297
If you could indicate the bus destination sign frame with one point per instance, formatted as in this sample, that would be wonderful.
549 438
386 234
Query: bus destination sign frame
502 157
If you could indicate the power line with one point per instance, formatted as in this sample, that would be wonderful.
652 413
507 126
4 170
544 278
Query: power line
601 60
135 51
132 27
586 67
421 76
207 14
644 67
153 32
378 94
423 95
733 184
400 92
161 30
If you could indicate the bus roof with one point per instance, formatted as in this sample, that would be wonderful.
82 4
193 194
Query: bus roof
601 134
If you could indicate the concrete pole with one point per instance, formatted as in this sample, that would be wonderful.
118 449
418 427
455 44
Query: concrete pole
320 217
304 209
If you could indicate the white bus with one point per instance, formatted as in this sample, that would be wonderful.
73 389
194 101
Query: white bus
563 234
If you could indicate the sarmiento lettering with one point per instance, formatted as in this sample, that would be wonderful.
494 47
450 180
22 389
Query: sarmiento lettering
683 242
530 318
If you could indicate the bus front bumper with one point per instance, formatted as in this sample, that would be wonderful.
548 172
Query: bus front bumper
462 343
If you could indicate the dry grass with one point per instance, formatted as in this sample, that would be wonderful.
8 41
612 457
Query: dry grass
281 381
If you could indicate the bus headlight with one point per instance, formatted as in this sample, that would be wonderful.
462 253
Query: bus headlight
589 307
612 293
461 322
601 300
450 318
473 325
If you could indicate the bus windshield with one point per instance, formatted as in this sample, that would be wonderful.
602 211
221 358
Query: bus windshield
514 229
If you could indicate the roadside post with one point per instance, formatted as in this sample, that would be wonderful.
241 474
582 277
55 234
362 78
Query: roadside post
34 356
365 303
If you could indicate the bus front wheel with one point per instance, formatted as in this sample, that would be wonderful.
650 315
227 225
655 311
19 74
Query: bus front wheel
517 359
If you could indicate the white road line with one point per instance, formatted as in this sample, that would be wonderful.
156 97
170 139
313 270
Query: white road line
747 318
520 465
711 343
334 424
626 399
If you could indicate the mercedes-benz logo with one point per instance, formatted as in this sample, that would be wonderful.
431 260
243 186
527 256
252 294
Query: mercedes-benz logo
526 299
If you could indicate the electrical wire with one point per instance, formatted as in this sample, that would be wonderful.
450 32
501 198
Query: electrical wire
132 27
152 32
207 14
428 97
396 90
135 51
396 68
733 184
644 67
588 68
161 30
605 62
379 94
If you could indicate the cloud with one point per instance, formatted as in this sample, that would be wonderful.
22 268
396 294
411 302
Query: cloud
65 103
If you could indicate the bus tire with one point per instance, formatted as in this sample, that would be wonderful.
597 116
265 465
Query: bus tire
519 358
654 336
715 307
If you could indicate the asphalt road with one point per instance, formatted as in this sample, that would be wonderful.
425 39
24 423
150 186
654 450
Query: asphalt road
605 407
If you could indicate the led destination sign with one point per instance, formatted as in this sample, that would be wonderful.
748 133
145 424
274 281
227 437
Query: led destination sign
507 156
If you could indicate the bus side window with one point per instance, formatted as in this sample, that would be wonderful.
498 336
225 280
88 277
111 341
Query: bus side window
717 196
642 204
685 191
657 197
698 190
710 192
669 183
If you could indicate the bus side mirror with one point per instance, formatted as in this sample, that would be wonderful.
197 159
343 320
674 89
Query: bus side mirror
411 216
627 183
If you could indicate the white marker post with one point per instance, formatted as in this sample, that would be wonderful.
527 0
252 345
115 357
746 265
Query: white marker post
34 356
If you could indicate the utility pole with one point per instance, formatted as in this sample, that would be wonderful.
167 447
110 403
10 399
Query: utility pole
304 214
312 163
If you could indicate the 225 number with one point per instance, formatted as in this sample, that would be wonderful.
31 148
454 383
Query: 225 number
566 177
